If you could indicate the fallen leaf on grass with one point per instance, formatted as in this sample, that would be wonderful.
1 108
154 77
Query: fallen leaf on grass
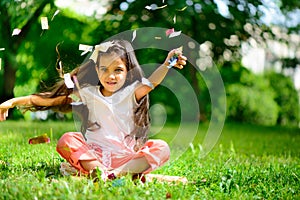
39 139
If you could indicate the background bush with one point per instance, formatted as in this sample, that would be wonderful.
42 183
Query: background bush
286 97
250 98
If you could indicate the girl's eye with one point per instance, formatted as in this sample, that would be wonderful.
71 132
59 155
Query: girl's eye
119 70
103 69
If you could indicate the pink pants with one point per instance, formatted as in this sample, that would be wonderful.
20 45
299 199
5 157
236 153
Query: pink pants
73 147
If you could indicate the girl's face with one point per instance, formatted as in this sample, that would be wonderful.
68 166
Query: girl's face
112 73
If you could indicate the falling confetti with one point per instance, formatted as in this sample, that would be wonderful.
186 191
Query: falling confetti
157 38
76 82
39 139
182 9
85 49
169 31
175 34
2 49
68 81
44 22
133 35
155 7
60 69
174 19
16 31
0 63
56 12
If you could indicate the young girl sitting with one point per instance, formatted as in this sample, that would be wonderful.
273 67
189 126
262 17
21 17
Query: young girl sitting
113 106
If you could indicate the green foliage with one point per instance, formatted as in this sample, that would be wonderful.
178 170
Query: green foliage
286 97
249 97
248 104
264 99
244 165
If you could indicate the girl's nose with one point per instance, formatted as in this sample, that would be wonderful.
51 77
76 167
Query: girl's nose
112 75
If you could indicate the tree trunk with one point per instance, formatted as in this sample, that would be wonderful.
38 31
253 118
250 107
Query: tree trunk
12 44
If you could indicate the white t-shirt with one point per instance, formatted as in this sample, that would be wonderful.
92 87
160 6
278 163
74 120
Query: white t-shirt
114 114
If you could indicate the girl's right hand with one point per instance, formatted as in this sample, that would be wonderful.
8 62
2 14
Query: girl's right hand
4 107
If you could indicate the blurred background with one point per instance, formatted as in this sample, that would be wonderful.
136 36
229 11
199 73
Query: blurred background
254 43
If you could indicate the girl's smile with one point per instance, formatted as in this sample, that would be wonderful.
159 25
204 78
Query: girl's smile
112 73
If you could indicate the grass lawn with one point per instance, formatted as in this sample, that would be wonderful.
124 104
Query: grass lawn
248 162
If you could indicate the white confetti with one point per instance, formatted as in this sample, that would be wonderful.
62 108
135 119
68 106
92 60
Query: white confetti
56 12
133 35
157 38
44 22
16 31
174 19
0 63
155 7
2 49
175 34
68 81
85 49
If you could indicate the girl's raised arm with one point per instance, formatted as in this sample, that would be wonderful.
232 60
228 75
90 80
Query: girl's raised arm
30 100
159 74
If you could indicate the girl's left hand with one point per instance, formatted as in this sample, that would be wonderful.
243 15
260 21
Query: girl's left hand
181 59
4 107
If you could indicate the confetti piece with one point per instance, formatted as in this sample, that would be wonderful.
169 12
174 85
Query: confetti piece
74 97
16 31
133 35
174 19
60 69
161 7
68 81
118 183
44 22
76 82
175 34
56 12
173 60
169 31
0 63
85 49
2 49
157 38
155 7
39 139
182 9
180 48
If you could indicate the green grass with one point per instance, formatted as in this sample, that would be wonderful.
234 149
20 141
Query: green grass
248 162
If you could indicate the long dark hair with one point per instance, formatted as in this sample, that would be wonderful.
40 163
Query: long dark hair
87 76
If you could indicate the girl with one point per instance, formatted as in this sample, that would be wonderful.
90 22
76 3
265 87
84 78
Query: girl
113 106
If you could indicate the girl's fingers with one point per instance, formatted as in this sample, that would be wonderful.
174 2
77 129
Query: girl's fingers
3 115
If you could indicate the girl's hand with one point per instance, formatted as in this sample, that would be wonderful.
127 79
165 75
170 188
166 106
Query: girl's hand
4 107
181 59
